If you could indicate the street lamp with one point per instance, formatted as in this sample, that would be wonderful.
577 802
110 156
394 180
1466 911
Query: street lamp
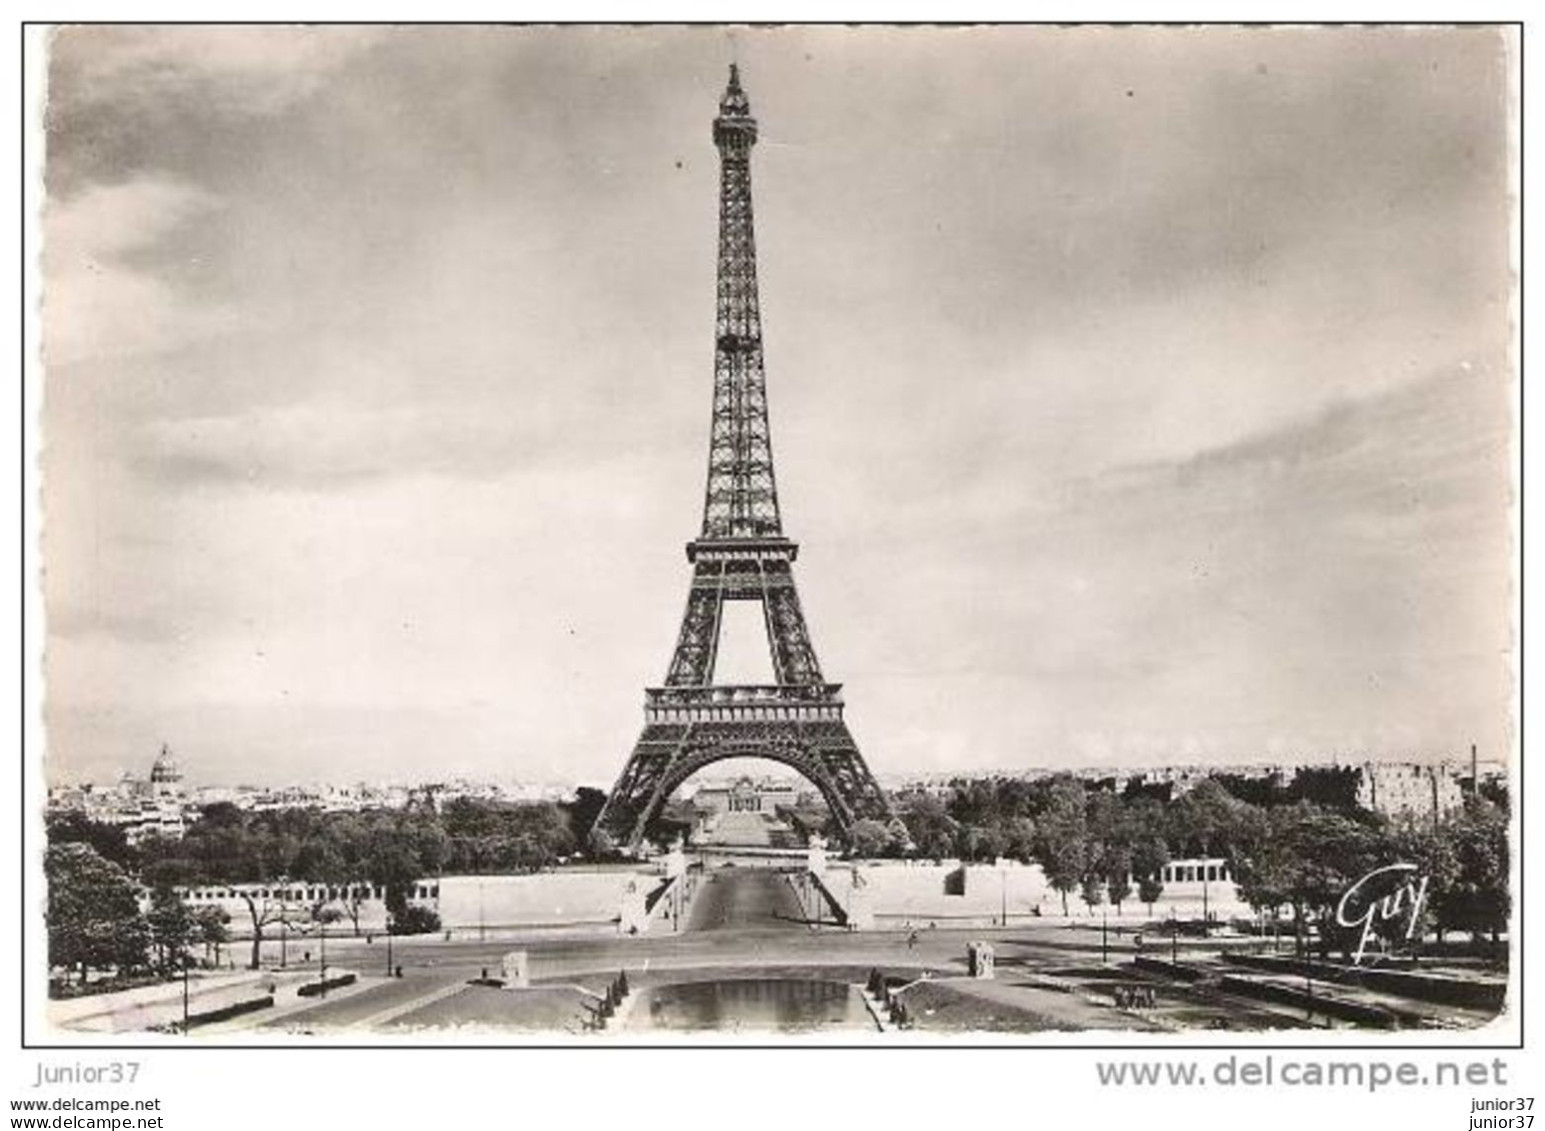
185 992
1206 874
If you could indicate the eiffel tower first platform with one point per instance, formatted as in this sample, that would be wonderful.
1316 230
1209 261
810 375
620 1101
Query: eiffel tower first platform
742 555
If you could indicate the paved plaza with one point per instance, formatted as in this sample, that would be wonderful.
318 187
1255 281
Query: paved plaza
747 925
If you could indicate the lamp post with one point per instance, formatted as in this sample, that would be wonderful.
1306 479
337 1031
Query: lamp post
322 972
1003 896
1206 874
388 942
1104 941
185 992
284 939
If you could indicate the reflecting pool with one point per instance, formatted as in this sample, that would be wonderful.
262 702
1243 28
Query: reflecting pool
782 1004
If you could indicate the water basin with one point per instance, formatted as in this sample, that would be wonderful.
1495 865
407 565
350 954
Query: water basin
752 1004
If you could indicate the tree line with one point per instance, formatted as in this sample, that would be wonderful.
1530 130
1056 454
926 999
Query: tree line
1289 846
1294 846
115 906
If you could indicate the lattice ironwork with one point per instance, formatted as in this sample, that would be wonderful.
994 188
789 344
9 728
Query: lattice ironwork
742 495
741 555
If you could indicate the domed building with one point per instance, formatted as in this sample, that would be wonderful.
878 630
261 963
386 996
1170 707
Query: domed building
165 777
154 806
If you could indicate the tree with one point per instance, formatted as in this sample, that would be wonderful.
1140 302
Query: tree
1092 892
111 842
1118 876
1149 888
1330 787
212 926
414 920
1019 839
1264 871
1478 899
1495 790
1334 852
171 928
393 865
930 827
169 871
979 843
869 837
602 844
1110 844
332 859
1148 846
265 907
1137 789
93 915
252 856
1307 858
1415 841
320 859
1205 819
583 810
1062 838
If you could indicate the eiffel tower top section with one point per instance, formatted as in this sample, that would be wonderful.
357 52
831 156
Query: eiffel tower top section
741 502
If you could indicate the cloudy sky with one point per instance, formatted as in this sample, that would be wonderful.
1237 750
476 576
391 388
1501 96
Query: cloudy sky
1137 396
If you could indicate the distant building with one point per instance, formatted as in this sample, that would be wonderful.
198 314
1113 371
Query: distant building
1410 789
1180 874
296 903
154 805
165 777
1426 790
746 796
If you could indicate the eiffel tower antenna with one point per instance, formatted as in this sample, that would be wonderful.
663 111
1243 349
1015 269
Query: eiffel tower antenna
741 554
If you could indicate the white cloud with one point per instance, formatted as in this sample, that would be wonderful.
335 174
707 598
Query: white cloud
97 302
256 70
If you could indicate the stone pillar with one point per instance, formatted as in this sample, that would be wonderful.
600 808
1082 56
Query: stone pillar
676 861
815 859
516 971
634 919
979 957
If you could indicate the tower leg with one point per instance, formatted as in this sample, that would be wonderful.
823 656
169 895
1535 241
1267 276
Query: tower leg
697 646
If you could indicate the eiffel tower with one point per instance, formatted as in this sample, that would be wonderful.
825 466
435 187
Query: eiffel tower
742 555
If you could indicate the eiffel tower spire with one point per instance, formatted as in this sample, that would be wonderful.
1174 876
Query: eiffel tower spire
742 495
741 555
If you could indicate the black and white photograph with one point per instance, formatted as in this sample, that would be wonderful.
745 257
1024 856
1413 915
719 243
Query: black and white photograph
777 535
